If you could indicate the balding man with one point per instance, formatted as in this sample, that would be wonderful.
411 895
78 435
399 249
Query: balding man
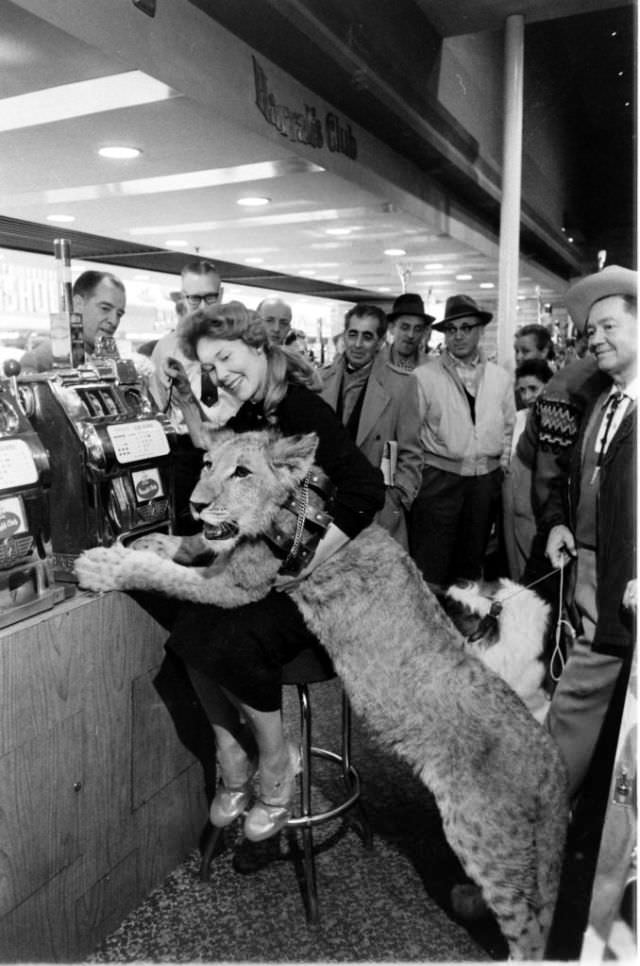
276 315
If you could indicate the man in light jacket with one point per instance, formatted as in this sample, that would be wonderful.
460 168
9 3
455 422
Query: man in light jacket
467 417
374 401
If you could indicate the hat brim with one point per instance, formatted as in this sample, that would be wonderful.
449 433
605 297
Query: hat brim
484 317
428 319
612 280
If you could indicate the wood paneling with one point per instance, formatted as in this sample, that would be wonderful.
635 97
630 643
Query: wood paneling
99 799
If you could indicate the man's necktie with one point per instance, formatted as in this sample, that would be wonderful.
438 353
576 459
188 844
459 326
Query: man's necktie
613 402
208 390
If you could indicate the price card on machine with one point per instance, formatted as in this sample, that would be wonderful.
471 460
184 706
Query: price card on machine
17 466
142 440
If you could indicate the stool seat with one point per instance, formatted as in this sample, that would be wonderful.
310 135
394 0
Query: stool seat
313 666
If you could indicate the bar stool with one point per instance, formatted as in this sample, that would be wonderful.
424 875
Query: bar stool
313 666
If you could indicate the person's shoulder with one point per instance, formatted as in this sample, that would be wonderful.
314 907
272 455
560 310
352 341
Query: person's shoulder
166 343
432 365
325 372
40 358
576 382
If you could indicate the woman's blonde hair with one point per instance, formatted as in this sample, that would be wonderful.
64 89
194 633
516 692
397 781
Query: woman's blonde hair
235 321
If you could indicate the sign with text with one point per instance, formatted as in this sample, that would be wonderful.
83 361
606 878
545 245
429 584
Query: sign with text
304 126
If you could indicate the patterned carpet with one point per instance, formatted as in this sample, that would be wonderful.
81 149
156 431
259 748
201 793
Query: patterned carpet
387 904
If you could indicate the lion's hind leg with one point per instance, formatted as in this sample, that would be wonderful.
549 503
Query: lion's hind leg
498 850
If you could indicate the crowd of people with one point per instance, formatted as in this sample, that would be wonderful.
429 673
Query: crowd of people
446 449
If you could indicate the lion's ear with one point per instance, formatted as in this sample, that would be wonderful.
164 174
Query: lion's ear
293 454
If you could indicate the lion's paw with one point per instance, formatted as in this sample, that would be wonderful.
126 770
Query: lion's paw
101 568
162 544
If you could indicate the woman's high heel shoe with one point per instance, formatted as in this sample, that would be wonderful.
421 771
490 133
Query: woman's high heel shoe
273 808
230 801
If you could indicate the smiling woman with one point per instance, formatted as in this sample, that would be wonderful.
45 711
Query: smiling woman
234 656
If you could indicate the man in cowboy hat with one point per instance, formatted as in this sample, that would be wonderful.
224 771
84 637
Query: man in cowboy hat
595 529
372 398
410 327
467 417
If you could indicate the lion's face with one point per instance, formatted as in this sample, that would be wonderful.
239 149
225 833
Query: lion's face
246 477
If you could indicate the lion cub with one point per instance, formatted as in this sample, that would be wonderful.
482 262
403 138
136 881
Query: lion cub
495 773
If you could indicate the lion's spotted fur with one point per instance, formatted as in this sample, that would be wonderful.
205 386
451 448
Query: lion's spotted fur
494 772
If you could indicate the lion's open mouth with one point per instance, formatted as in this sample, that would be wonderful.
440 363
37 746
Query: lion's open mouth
219 531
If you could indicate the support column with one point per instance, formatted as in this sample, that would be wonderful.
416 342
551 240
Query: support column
509 253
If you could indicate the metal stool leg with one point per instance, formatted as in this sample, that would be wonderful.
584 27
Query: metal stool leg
211 840
356 816
308 859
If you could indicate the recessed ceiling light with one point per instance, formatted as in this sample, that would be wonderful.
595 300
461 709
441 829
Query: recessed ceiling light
395 251
176 243
119 152
63 219
254 260
253 201
338 231
487 285
464 278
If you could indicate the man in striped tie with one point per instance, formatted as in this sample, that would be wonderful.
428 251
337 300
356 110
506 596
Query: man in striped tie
595 529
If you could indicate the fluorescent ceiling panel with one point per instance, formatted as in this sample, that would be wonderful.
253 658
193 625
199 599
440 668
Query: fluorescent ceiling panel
81 98
300 217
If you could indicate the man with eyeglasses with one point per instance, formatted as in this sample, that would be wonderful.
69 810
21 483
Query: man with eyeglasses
467 413
201 289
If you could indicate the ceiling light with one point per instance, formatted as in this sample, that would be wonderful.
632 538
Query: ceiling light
253 201
433 267
395 251
620 73
464 278
176 243
63 219
81 98
254 260
338 231
384 288
487 285
349 281
307 271
119 152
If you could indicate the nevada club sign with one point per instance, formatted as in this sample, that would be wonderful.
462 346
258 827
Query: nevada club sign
305 126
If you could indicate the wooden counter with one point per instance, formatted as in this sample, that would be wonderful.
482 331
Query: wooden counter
99 799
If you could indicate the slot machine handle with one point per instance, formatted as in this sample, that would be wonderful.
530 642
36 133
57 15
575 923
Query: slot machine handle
12 370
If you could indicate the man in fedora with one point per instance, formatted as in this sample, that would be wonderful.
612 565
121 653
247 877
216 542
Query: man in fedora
410 328
467 416
595 529
373 399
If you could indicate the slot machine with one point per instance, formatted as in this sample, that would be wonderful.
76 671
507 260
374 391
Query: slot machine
26 572
111 455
